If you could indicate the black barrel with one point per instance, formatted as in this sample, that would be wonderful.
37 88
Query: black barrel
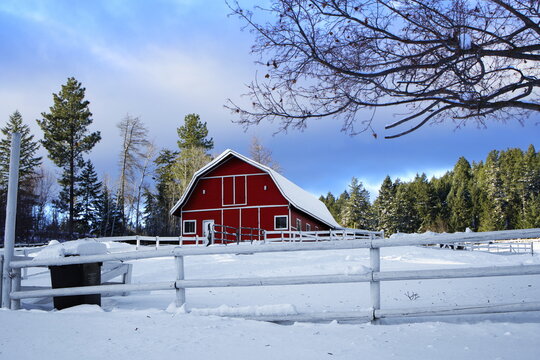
66 276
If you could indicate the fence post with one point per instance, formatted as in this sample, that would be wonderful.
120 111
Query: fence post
180 292
375 286
138 242
180 242
11 212
1 272
16 286
157 242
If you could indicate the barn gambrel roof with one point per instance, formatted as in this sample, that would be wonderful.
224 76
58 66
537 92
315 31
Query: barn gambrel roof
297 197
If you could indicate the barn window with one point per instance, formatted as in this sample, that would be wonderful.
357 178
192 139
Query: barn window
280 223
308 227
298 225
189 227
204 191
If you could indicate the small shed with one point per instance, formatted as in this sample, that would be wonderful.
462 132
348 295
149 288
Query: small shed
236 192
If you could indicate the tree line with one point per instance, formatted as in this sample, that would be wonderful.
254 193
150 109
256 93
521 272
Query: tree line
500 193
78 203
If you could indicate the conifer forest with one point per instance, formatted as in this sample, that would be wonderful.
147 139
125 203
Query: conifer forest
498 193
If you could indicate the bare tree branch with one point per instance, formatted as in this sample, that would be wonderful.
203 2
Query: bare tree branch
458 60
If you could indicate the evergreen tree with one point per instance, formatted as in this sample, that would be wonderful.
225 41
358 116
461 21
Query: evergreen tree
109 218
194 134
66 138
88 200
29 165
424 202
153 218
28 162
331 204
163 199
356 212
385 208
442 187
407 219
495 203
459 198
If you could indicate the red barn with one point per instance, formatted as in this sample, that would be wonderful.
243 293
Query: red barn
235 191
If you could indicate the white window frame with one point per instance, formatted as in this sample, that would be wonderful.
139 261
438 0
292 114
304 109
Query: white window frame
194 227
308 227
298 225
286 222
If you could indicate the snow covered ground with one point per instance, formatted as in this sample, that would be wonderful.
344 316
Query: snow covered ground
145 325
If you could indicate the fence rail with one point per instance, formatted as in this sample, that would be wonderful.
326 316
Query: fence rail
374 276
502 248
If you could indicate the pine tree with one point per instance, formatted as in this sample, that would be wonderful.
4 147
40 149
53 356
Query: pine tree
194 134
356 212
109 217
29 165
88 200
66 138
163 199
530 190
331 204
459 198
442 187
385 208
407 219
494 205
29 162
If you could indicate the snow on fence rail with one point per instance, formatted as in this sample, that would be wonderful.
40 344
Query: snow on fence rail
374 276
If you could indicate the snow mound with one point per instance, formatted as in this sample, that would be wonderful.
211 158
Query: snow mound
70 248
82 309
405 235
263 310
357 270
117 246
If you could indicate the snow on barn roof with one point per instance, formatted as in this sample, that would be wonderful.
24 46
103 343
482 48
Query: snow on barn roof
298 197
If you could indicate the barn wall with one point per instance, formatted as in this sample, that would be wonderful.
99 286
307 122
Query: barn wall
217 192
233 166
306 219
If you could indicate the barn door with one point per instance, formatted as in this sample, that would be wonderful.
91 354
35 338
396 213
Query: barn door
208 226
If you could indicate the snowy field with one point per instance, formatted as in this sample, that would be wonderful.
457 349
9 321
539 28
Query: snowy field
148 326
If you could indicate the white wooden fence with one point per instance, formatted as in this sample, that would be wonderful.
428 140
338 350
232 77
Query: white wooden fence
502 248
374 277
267 236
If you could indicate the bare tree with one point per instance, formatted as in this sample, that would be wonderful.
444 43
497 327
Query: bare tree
44 192
460 59
262 155
134 141
145 169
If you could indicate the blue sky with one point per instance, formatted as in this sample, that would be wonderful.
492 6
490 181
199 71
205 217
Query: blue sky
161 60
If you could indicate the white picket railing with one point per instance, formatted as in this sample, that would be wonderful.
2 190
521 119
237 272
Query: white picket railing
374 277
502 248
